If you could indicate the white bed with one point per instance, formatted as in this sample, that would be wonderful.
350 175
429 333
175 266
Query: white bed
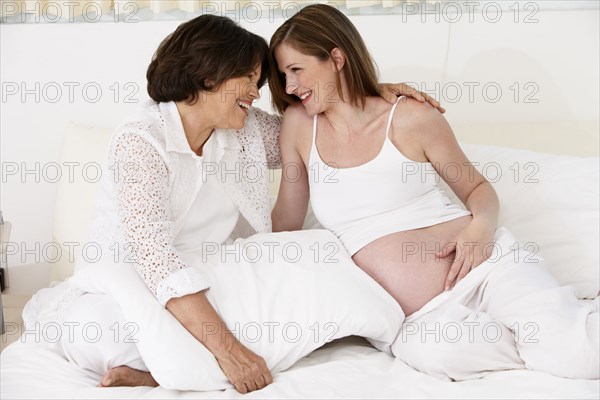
349 368
559 213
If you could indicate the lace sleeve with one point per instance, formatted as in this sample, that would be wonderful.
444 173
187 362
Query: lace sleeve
142 191
269 126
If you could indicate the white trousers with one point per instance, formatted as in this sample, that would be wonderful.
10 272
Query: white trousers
509 314
101 338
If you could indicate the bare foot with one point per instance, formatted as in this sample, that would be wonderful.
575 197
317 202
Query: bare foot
125 376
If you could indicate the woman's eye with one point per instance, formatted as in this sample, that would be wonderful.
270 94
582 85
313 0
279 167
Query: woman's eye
294 70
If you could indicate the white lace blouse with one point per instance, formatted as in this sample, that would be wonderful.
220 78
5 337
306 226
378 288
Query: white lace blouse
151 179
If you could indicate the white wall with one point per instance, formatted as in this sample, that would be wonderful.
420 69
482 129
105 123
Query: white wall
557 56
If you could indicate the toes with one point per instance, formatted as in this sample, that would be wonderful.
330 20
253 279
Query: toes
126 376
110 378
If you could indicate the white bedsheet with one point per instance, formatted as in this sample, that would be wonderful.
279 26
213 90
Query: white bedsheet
347 368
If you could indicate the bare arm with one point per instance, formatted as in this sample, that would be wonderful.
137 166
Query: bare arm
292 201
438 145
442 150
243 368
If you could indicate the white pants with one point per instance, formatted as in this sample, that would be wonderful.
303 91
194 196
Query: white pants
511 314
101 338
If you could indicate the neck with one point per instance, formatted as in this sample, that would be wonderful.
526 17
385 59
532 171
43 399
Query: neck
347 119
198 124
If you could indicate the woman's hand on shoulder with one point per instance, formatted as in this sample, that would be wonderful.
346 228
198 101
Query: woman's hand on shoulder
391 91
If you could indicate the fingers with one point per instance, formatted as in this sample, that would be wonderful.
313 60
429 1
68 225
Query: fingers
464 270
462 265
404 89
241 387
452 273
259 382
389 97
446 251
251 385
455 268
268 378
434 103
256 377
399 89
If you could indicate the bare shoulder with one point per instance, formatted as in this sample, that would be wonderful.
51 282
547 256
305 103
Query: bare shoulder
416 126
295 117
296 128
411 112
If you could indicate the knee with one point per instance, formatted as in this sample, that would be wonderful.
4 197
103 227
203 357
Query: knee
472 348
567 350
92 333
438 350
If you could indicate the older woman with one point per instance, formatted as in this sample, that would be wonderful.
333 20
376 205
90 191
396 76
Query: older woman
175 179
372 173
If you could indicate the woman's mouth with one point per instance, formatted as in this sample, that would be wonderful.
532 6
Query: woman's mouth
244 105
304 98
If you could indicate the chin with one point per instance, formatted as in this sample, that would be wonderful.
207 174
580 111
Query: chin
312 110
239 125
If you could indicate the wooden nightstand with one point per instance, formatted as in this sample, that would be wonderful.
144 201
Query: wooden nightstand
13 321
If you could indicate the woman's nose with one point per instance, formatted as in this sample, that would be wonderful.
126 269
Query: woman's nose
290 87
253 92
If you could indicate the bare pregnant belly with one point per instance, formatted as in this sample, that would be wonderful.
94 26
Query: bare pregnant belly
404 263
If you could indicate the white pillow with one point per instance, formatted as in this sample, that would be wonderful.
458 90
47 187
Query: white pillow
551 204
282 294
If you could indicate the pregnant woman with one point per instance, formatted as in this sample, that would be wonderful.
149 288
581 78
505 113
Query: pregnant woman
372 173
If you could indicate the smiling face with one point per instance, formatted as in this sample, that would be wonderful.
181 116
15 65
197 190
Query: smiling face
311 80
232 99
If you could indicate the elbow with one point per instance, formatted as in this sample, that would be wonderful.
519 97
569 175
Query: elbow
275 221
278 221
283 223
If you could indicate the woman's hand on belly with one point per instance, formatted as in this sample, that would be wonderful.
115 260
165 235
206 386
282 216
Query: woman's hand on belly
472 246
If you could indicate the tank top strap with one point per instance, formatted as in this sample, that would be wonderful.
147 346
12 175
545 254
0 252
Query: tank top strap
314 132
389 124
314 153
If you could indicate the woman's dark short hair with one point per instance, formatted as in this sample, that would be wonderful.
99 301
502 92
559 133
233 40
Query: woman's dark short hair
200 55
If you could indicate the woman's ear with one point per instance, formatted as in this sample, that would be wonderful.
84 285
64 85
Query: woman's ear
209 84
339 58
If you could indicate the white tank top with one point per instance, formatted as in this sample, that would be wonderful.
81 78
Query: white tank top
388 194
213 215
